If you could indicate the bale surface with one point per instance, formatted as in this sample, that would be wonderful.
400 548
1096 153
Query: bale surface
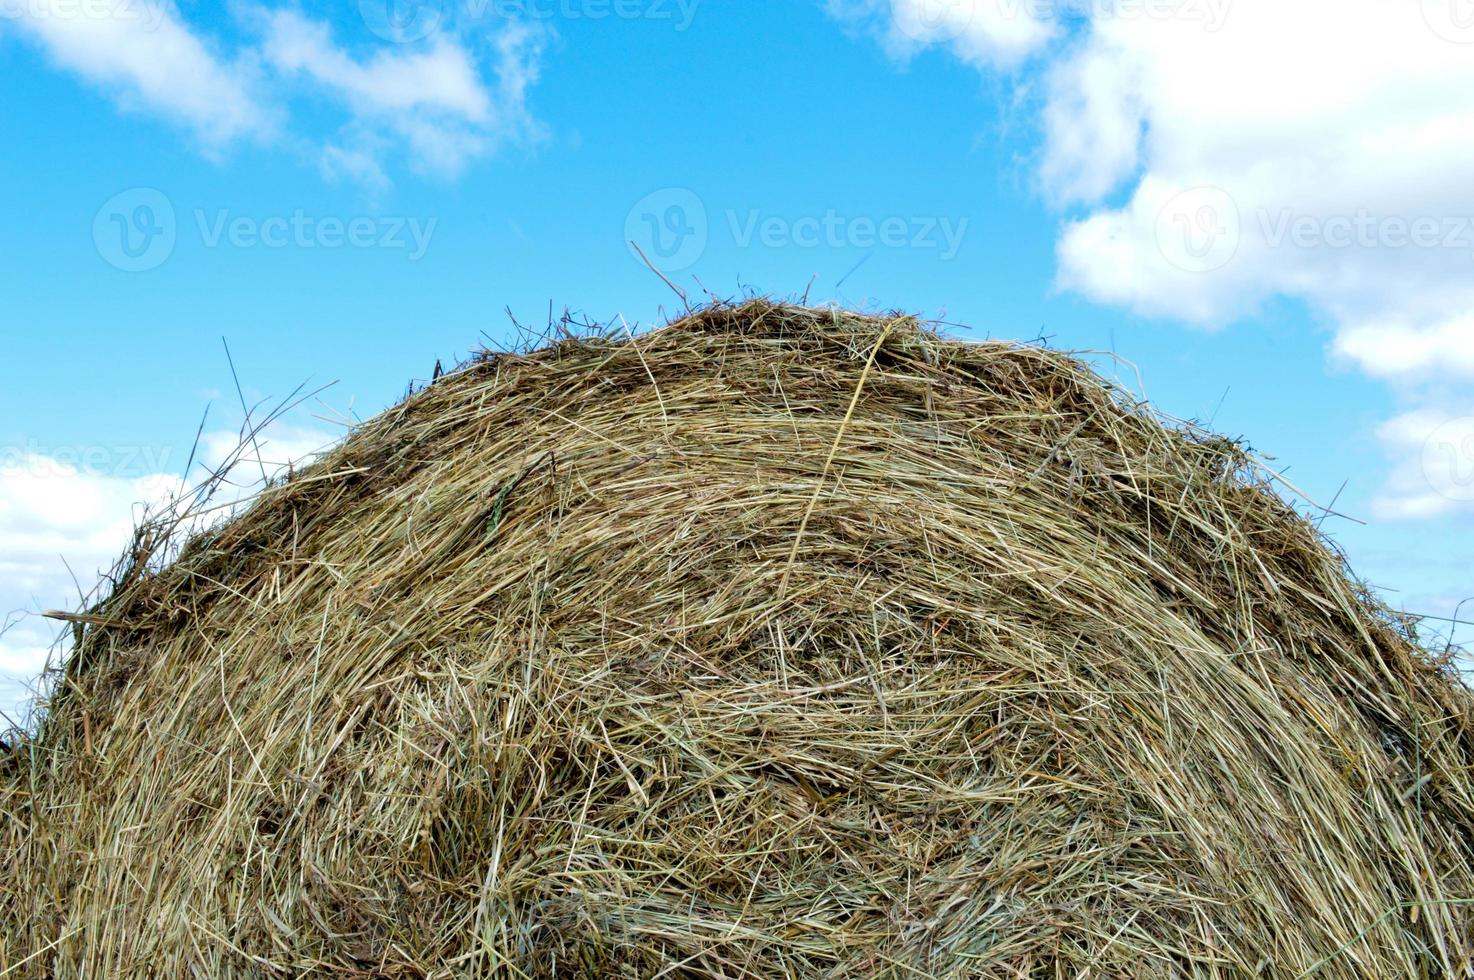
777 642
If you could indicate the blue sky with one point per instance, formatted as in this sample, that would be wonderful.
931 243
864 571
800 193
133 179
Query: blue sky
1266 211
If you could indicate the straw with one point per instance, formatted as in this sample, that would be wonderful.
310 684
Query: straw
775 642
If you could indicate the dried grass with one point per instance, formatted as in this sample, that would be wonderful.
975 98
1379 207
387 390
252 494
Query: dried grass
694 655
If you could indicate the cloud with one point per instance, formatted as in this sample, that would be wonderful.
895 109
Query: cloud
440 79
1401 351
144 57
71 510
1209 156
1308 150
439 104
275 450
1315 151
982 33
432 100
1093 119
359 160
1432 471
60 514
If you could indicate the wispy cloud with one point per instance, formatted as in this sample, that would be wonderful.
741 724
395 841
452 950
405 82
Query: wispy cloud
437 105
983 33
1212 155
143 56
70 511
1432 464
1406 352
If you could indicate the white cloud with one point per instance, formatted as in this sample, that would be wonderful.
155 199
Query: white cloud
275 450
56 519
72 510
1432 473
441 103
1092 119
357 159
1337 140
439 79
982 33
519 50
1397 350
1217 154
1314 150
433 99
142 54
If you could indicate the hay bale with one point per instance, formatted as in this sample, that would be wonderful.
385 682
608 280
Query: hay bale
775 642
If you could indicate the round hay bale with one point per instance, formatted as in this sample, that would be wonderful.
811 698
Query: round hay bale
777 642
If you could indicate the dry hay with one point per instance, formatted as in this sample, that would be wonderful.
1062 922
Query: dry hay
778 642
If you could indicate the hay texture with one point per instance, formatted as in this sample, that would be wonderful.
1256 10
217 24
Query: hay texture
776 642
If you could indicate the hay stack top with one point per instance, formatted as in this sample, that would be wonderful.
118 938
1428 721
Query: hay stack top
775 642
